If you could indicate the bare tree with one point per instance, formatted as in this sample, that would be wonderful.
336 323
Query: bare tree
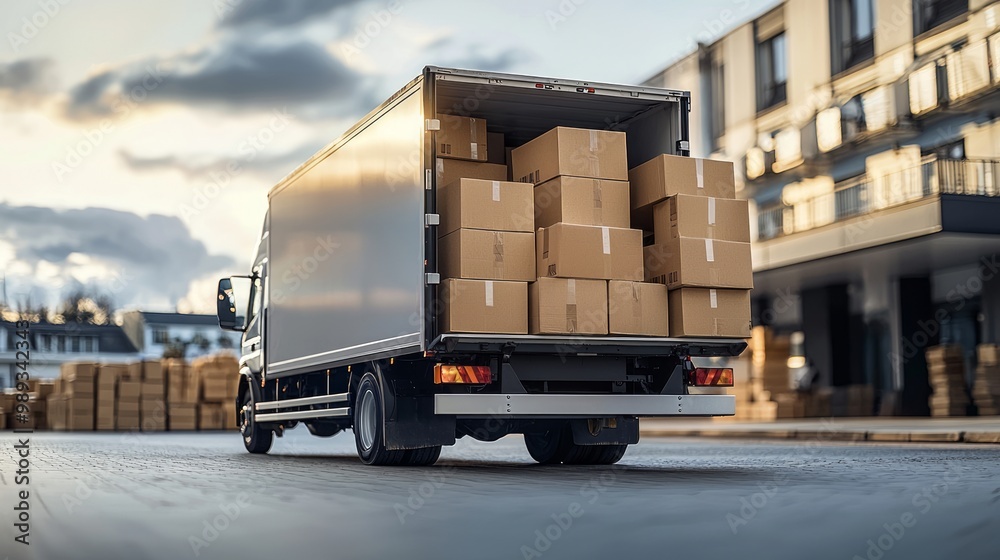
79 306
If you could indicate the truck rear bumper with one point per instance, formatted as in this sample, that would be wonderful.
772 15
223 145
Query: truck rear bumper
583 406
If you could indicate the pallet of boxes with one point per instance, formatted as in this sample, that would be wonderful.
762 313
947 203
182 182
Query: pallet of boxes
71 406
986 387
213 383
946 367
37 406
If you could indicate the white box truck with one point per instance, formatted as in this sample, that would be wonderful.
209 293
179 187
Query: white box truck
338 312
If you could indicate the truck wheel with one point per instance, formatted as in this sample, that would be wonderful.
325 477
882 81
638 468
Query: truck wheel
549 447
255 438
368 425
422 457
595 454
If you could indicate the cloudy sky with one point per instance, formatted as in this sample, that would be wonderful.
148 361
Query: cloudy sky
138 139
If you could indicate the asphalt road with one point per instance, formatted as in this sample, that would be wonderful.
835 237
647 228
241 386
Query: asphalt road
159 495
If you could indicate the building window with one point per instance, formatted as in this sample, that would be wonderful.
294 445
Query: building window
60 344
75 344
160 336
853 33
772 72
928 14
88 345
46 343
717 91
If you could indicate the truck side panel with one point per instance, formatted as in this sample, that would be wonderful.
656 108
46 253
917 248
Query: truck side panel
346 247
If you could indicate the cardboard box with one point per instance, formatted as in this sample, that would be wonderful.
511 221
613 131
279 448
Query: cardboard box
595 252
86 371
487 255
484 306
988 354
109 374
229 417
152 390
665 176
495 150
127 421
461 138
152 370
129 390
568 306
178 379
706 217
705 263
210 416
106 397
578 152
708 312
635 308
577 200
490 205
182 416
214 389
451 170
153 415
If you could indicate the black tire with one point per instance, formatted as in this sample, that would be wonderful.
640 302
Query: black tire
369 435
425 456
256 439
596 454
549 447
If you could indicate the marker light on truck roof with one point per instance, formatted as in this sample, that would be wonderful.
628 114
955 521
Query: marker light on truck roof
711 377
474 375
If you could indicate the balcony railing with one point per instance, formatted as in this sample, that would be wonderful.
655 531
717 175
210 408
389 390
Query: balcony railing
866 193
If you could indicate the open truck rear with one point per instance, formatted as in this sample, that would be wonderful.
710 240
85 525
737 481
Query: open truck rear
340 311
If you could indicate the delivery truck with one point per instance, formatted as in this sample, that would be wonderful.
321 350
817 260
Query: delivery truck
341 311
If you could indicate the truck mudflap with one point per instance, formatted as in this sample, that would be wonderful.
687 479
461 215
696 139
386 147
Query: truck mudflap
582 406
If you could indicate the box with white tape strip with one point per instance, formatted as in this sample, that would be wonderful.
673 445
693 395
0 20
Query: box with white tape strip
698 262
490 205
682 215
568 306
487 255
596 252
666 175
576 152
709 312
461 138
483 306
582 201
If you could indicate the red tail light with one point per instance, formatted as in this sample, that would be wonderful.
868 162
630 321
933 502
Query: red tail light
711 377
473 375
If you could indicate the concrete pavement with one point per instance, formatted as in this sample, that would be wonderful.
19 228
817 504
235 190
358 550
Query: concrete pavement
923 430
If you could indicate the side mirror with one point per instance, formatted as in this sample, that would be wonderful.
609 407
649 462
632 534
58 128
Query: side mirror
234 302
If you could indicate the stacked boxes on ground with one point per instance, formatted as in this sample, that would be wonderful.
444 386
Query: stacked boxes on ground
986 386
12 416
150 396
946 366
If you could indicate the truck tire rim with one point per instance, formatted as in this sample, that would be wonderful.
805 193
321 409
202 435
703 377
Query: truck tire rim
366 420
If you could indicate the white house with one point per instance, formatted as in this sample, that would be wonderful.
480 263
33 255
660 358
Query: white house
153 333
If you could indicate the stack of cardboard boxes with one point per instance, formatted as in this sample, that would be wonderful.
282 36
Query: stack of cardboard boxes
147 396
550 252
182 401
485 242
701 243
946 366
986 388
38 393
588 261
213 384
